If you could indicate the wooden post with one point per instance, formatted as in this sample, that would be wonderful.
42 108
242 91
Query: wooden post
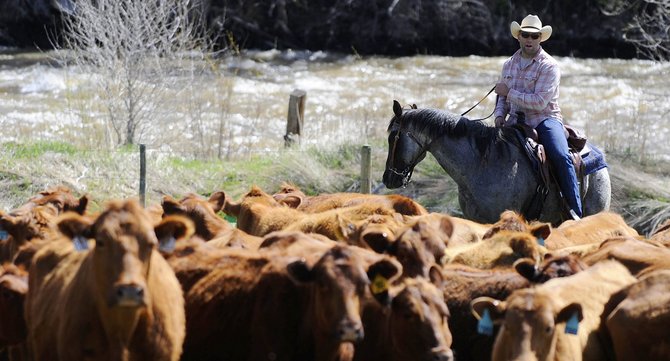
143 175
366 182
296 114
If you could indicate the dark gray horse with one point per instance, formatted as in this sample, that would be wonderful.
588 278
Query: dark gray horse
488 164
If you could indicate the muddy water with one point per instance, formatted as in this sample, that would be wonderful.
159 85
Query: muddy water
621 105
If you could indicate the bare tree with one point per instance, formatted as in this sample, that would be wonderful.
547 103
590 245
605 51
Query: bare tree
140 53
649 28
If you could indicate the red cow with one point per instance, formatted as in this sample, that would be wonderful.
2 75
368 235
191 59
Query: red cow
268 305
295 198
409 323
101 291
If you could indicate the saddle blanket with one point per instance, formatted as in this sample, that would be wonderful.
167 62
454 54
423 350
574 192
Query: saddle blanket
594 160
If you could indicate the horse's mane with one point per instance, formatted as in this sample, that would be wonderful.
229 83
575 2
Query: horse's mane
440 123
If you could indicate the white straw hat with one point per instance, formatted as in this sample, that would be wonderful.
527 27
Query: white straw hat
530 24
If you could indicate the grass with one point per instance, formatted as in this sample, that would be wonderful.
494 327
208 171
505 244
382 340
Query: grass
640 190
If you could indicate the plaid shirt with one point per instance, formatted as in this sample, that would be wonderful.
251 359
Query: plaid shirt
533 89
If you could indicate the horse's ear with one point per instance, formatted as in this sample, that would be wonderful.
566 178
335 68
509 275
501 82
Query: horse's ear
397 108
413 106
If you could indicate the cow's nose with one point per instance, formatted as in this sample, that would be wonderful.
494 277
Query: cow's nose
129 295
351 332
443 355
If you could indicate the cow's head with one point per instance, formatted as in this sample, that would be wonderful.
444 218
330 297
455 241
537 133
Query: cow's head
125 241
551 267
24 227
418 323
289 195
202 212
60 197
337 283
531 323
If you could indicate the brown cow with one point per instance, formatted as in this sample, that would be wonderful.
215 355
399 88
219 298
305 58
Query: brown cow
29 226
637 255
410 323
467 232
208 225
502 249
258 214
33 219
293 197
110 297
553 266
534 319
202 212
265 305
591 229
60 197
421 244
462 284
638 325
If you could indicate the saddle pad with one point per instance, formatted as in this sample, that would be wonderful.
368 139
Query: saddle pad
594 161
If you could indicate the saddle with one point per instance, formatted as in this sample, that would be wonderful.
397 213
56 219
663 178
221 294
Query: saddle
528 139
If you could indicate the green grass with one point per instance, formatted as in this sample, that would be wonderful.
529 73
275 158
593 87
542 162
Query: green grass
35 150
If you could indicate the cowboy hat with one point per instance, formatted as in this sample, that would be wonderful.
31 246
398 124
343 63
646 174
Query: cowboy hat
530 24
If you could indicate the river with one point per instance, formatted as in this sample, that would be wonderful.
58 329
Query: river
622 105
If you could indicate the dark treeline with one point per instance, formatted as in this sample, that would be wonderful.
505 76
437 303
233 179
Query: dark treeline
582 28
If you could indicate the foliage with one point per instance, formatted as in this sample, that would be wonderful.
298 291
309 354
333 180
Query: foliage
136 49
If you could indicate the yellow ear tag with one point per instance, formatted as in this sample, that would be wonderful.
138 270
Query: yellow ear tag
379 284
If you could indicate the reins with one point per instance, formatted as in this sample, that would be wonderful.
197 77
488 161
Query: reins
473 107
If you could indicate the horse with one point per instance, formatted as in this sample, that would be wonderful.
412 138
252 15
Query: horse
488 163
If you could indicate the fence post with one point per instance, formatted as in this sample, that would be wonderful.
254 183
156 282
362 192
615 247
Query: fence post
143 175
366 182
296 114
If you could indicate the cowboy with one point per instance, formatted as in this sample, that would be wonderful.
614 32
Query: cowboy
528 92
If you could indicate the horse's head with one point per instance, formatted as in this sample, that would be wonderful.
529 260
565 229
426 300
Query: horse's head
405 151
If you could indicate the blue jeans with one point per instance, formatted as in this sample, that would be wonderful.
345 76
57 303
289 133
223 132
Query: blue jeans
552 137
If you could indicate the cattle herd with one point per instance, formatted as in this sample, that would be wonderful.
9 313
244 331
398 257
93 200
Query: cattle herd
342 276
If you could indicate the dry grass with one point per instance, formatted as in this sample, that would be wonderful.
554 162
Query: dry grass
641 192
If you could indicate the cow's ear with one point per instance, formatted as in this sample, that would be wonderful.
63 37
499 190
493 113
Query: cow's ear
541 231
173 229
76 227
381 273
569 311
397 108
300 272
526 267
80 208
446 225
217 200
496 308
170 205
436 277
291 201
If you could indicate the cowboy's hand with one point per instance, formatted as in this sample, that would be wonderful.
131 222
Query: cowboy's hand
502 89
500 121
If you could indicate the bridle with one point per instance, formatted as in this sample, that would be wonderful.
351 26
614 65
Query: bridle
405 173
